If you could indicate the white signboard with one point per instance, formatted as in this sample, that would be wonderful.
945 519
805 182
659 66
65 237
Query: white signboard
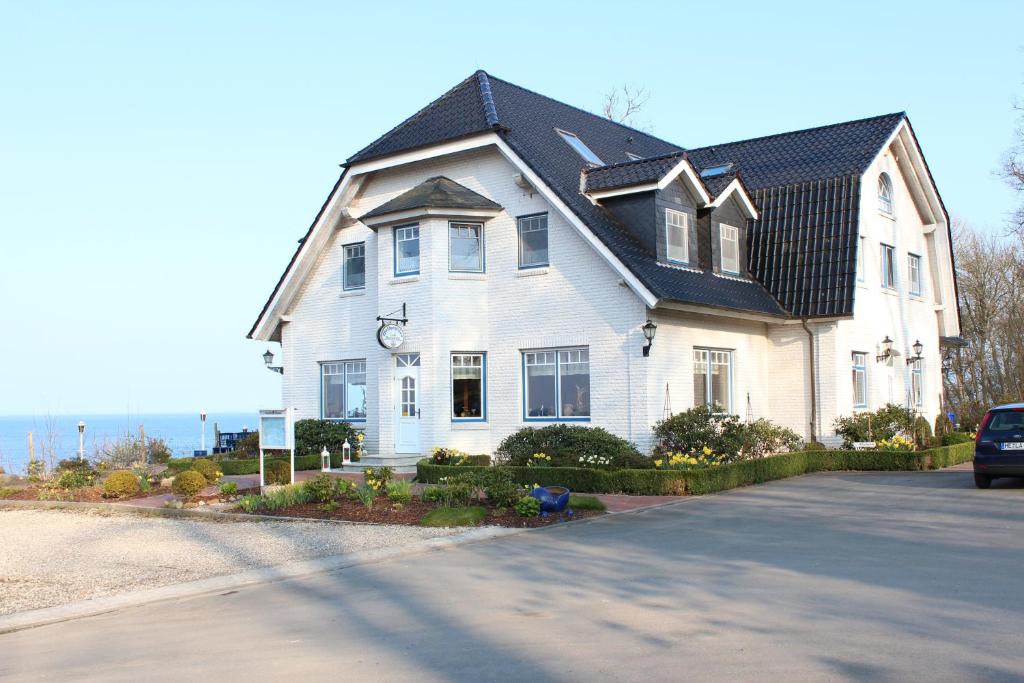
863 445
277 433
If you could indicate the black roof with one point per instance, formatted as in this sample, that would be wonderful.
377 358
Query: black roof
802 248
437 192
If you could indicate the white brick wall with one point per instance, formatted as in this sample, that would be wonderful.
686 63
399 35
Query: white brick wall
579 301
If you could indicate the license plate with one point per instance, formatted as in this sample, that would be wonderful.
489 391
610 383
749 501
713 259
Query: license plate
1013 446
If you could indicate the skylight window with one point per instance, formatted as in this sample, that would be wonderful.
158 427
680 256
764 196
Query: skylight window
633 157
712 171
581 149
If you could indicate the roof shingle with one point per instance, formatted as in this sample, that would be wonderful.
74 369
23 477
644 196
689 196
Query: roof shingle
437 192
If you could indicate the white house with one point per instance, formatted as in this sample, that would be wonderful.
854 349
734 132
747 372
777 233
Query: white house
516 247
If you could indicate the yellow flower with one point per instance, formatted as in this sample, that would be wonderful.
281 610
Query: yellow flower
359 437
657 463
707 451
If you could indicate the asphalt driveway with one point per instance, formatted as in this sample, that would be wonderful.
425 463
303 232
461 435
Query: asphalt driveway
873 577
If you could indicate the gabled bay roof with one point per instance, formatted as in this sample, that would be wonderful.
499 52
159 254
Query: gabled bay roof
435 193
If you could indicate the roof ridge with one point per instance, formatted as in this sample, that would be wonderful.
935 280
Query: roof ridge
901 114
581 110
490 110
636 161
417 115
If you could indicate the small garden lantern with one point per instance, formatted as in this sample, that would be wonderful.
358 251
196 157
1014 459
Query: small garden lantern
346 453
649 329
886 353
268 360
918 348
325 460
81 440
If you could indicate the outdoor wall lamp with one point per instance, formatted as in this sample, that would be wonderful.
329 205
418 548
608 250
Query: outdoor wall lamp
918 348
268 358
886 353
649 329
325 460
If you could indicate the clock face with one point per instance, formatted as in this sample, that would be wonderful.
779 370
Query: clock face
390 336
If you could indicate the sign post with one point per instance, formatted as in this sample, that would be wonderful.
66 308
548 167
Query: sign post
277 433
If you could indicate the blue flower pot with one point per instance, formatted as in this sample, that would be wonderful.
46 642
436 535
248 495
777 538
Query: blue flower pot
552 498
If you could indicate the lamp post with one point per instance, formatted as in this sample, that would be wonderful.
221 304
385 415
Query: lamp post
81 440
649 329
202 435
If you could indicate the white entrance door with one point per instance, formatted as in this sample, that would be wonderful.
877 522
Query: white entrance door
407 403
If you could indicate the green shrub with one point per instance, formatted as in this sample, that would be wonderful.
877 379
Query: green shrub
500 488
566 443
953 438
250 503
321 488
922 431
815 446
763 437
884 423
157 451
432 494
699 427
144 485
586 503
400 492
229 488
312 436
942 425
528 506
75 474
211 473
121 484
188 484
286 496
365 494
277 472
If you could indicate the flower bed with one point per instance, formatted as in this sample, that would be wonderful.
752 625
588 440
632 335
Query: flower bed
654 482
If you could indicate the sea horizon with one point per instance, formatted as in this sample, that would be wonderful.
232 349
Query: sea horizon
55 436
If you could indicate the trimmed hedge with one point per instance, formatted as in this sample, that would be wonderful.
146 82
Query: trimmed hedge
697 482
252 466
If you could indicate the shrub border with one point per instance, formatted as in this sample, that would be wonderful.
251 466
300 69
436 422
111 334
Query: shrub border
252 465
698 482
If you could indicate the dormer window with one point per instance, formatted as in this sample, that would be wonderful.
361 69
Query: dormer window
730 244
885 194
677 234
581 149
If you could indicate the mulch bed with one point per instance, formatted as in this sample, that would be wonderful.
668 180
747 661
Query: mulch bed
410 514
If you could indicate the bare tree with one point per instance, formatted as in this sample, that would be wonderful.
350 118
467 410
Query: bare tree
1013 171
622 104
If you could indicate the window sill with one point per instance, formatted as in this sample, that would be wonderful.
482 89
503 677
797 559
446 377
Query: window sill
468 425
887 216
528 420
890 292
467 276
402 279
917 297
530 272
346 293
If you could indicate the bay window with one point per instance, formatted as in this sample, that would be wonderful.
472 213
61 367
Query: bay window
343 390
466 247
556 384
407 250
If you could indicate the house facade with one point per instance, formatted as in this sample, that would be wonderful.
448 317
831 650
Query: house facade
492 262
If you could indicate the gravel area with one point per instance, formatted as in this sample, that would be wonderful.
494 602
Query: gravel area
51 558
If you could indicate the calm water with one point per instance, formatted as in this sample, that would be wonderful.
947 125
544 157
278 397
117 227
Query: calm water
60 433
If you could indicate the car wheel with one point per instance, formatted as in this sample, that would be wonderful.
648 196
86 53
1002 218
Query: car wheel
982 481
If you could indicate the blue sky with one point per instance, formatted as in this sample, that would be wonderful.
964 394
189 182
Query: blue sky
159 163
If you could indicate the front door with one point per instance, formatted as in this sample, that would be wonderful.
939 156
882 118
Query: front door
407 403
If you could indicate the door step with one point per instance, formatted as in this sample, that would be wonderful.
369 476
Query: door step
402 464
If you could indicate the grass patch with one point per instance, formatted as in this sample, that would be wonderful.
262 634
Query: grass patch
471 516
7 491
586 503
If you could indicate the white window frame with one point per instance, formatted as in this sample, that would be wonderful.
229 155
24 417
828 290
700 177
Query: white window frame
676 221
408 233
888 263
361 246
862 258
914 275
708 359
342 368
859 365
885 194
558 361
532 223
460 225
917 382
733 239
483 384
